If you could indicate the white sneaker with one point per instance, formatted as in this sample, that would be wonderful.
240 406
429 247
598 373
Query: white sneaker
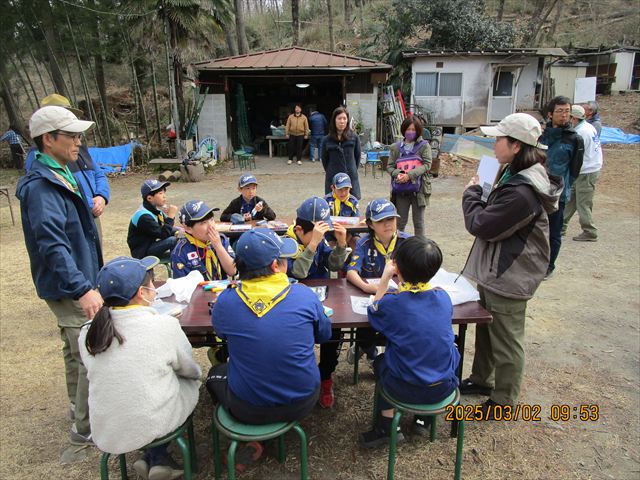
141 467
289 162
299 162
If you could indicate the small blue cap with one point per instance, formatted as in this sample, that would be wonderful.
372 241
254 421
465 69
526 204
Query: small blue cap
194 211
381 208
247 179
260 246
121 277
149 187
341 180
315 209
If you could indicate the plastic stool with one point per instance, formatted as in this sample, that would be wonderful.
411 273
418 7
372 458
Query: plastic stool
430 410
187 449
236 431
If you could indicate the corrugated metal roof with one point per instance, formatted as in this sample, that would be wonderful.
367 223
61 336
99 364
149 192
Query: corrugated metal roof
294 58
538 52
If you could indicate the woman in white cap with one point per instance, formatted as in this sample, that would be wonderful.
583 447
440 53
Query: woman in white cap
143 380
509 256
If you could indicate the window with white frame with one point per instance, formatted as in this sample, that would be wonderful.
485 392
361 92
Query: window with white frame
438 84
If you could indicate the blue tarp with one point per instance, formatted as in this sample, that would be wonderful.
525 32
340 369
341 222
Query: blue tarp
615 135
112 159
451 139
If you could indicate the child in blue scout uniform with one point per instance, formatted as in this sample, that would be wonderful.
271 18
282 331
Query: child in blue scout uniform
342 203
314 260
247 206
340 200
203 248
315 256
373 251
151 230
420 361
263 384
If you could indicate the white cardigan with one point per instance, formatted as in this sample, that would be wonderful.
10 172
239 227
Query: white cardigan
146 387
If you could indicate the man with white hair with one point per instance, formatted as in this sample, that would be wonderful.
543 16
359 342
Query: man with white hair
63 245
584 187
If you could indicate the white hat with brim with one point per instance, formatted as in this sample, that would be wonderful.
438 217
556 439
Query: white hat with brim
520 126
51 119
577 111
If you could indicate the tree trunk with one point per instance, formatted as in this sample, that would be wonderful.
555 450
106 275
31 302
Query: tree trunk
54 67
98 59
500 10
330 20
155 101
23 83
13 112
347 12
243 45
232 46
295 21
33 88
554 25
173 95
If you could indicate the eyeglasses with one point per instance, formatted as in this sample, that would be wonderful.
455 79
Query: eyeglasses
74 136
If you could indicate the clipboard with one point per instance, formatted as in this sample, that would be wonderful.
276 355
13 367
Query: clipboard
488 173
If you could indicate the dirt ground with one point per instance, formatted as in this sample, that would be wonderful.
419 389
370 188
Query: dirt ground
582 344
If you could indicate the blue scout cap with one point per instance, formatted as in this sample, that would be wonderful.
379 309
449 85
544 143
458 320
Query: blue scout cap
379 209
260 246
194 211
149 187
121 277
315 209
341 180
247 179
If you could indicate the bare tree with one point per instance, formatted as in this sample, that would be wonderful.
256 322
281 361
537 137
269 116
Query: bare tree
500 10
231 39
347 12
295 20
243 45
330 20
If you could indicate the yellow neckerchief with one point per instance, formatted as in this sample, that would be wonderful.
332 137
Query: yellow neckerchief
210 259
292 233
414 287
264 293
337 202
385 252
127 307
161 218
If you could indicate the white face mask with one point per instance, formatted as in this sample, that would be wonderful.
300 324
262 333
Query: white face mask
150 302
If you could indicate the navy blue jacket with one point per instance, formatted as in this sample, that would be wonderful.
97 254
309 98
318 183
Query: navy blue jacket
341 156
90 177
318 124
60 235
564 156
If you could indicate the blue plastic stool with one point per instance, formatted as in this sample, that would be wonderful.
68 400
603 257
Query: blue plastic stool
187 449
237 432
430 410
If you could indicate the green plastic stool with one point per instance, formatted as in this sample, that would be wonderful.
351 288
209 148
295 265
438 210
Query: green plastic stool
431 410
236 431
187 449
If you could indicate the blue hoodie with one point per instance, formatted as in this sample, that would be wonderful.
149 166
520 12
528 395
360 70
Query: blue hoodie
564 156
60 235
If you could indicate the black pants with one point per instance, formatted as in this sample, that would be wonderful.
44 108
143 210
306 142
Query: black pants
407 392
295 146
17 155
246 412
556 220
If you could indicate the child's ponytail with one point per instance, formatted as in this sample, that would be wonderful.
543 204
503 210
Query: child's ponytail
102 331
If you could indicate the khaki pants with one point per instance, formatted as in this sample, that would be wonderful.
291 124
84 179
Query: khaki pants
70 318
581 201
499 358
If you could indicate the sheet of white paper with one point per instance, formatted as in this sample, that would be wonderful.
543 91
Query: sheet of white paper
375 281
359 304
487 171
459 290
